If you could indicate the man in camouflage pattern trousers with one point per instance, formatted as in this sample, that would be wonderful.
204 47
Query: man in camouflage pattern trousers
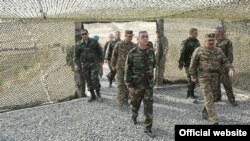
206 62
188 47
88 56
139 78
227 48
78 77
118 63
108 56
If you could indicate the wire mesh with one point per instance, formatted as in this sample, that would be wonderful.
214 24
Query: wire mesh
33 65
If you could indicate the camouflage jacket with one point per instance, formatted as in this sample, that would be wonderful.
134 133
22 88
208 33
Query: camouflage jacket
89 53
188 47
226 47
110 48
205 62
139 68
119 54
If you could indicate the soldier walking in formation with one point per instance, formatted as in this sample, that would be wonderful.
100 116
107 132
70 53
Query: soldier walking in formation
78 76
227 48
206 62
118 64
188 47
108 55
88 57
139 78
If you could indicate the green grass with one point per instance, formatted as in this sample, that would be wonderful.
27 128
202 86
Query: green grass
19 66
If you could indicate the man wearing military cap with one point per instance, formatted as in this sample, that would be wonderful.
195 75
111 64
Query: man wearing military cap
118 62
206 62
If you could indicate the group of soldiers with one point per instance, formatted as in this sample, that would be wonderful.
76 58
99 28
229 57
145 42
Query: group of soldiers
133 64
208 65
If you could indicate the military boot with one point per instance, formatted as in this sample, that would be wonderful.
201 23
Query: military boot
98 94
233 103
92 96
190 94
217 99
149 132
110 84
134 120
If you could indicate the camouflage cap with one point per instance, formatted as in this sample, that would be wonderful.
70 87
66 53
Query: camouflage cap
129 32
210 36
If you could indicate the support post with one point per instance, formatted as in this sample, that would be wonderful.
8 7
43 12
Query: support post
161 51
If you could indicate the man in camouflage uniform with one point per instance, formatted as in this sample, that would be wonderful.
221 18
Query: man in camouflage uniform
88 56
78 77
188 47
111 37
227 48
206 62
118 63
108 56
139 78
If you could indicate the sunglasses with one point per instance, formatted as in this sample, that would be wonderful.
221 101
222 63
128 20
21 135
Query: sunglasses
84 34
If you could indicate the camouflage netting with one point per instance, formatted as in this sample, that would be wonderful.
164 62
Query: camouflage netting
34 36
116 10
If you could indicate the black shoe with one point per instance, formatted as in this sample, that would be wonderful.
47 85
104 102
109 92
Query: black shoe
134 120
98 94
148 132
193 96
92 99
217 99
233 103
76 95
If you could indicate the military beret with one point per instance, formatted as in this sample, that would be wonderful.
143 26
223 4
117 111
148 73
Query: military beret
129 32
210 35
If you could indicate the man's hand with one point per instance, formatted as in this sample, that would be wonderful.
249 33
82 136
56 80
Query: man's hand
194 79
131 89
76 68
106 61
232 73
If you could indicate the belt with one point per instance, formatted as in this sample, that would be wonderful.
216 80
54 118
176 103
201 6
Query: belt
210 71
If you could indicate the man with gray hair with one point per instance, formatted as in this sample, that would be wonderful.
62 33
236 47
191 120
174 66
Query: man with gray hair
227 48
139 78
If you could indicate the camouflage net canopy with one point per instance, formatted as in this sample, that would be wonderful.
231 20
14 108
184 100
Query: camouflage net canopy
123 10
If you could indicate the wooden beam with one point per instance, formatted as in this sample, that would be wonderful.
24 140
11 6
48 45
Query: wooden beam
161 51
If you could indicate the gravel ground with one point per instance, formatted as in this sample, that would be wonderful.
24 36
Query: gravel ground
78 120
